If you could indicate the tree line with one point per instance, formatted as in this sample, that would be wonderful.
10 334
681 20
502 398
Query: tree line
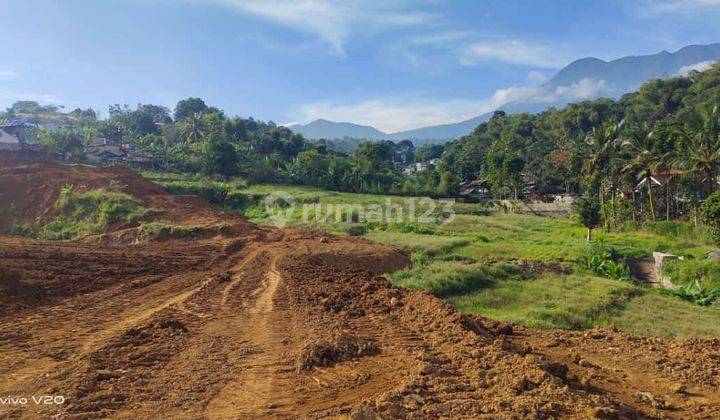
198 138
653 154
611 150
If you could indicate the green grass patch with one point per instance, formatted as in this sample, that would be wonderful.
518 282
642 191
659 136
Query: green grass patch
688 271
432 244
685 231
445 278
655 315
226 194
89 213
551 301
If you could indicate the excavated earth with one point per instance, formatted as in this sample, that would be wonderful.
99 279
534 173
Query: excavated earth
250 322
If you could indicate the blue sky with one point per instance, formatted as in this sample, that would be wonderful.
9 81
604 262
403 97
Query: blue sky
395 64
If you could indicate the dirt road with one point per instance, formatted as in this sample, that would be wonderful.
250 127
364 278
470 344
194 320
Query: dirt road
256 322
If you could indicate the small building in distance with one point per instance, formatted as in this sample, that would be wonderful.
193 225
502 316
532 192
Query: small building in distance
12 135
659 179
475 190
100 151
420 166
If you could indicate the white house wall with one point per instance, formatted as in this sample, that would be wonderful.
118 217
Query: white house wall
8 141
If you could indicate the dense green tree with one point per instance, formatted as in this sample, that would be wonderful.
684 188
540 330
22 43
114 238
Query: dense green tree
699 147
405 152
427 152
587 209
710 211
188 107
63 142
219 157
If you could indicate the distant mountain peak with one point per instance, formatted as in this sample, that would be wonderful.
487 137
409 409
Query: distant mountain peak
586 61
326 129
612 78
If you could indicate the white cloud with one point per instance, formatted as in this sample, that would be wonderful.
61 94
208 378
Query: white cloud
515 52
701 66
537 77
6 74
44 98
584 89
441 38
331 21
679 6
392 114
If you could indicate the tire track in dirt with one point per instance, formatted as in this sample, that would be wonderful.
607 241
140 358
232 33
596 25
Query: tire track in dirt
238 277
128 321
266 329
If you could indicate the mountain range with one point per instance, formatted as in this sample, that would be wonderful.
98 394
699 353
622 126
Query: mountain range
586 78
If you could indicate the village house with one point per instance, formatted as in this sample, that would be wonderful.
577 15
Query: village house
475 190
136 157
12 135
658 180
420 166
100 151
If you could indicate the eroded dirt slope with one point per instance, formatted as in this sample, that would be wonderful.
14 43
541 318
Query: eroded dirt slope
30 187
257 322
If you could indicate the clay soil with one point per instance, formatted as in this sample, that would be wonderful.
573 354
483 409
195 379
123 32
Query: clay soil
251 322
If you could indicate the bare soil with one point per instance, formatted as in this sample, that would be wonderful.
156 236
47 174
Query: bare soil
256 322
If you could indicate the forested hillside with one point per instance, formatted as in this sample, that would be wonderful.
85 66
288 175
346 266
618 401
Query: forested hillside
667 127
605 146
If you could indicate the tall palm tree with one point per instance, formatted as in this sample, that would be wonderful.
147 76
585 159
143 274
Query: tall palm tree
192 128
600 149
644 158
699 147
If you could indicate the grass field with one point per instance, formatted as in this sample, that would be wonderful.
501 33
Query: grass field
472 261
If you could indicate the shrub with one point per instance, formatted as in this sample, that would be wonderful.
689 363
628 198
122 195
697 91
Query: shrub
698 294
214 192
88 213
356 230
420 258
22 230
454 257
480 238
237 200
402 227
710 212
601 260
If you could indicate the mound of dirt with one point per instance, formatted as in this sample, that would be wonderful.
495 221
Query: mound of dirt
30 188
258 322
341 347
